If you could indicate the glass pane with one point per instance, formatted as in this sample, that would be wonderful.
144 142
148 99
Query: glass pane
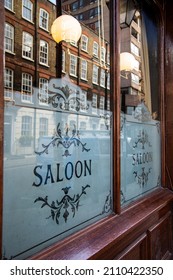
57 144
140 111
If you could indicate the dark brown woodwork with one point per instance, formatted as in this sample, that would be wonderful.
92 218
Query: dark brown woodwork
1 115
169 92
115 98
111 238
136 251
144 229
160 238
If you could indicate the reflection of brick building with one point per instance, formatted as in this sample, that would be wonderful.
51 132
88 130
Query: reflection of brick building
30 61
131 85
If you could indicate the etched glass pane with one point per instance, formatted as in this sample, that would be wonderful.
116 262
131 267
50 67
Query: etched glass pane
140 111
58 136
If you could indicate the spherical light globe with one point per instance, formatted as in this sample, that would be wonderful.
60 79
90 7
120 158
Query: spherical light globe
127 61
66 28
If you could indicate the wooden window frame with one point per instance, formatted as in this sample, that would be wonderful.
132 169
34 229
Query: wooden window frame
42 17
24 45
31 11
10 38
102 240
44 53
12 4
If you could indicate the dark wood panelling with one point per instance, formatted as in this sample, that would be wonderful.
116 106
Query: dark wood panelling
136 251
160 238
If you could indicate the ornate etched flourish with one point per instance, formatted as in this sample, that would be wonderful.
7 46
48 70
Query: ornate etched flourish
65 99
123 200
66 141
65 95
107 205
142 139
142 179
63 205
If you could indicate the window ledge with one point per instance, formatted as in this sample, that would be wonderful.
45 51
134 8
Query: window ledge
27 58
10 52
134 219
45 65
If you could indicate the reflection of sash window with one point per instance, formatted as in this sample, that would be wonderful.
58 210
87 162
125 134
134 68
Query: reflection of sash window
94 103
26 87
8 83
43 91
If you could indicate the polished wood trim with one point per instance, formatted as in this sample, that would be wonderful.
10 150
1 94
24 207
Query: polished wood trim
135 251
1 117
160 14
108 238
160 238
116 108
168 93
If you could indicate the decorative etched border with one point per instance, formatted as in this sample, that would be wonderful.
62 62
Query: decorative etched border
143 139
142 178
65 140
64 205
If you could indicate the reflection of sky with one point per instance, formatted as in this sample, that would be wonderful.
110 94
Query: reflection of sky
53 1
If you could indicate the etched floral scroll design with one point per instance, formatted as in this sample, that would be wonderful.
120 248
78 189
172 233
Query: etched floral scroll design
67 99
107 204
142 139
142 178
65 140
64 95
64 206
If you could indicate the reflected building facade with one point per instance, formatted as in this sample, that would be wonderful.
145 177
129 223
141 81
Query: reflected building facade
31 62
131 91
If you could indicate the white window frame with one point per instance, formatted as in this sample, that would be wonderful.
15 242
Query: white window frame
108 104
8 4
102 78
43 126
9 38
27 6
103 54
43 91
95 74
26 88
63 61
84 43
108 80
8 83
83 97
136 65
44 19
73 65
84 67
26 130
134 49
135 78
102 103
95 49
94 103
43 53
27 43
